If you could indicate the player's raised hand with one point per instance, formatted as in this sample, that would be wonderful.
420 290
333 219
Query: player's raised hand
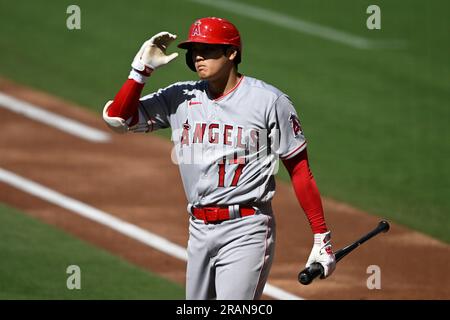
152 54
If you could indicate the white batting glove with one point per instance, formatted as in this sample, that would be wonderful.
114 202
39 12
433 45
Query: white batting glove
322 253
152 54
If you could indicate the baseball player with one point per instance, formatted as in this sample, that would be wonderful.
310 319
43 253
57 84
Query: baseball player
229 130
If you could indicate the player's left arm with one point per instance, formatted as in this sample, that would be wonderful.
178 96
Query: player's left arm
292 150
309 198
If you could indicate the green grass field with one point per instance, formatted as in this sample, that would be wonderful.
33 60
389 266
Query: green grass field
35 257
376 119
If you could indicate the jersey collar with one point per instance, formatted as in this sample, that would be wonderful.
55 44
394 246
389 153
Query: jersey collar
230 91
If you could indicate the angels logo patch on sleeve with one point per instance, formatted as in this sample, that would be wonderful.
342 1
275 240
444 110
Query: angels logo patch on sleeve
295 124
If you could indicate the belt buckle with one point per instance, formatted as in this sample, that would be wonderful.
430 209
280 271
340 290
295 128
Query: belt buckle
211 214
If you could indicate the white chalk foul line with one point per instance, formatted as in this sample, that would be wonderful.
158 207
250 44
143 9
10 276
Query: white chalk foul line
121 226
299 25
52 119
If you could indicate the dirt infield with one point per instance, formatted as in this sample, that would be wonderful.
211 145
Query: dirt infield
133 178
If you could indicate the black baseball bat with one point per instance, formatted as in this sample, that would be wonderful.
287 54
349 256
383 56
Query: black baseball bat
307 275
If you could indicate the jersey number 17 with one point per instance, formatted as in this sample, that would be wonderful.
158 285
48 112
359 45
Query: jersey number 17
237 173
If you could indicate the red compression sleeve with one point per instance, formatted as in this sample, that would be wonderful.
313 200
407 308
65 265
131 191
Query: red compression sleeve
125 104
306 191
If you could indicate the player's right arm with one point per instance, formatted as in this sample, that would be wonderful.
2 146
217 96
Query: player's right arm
122 113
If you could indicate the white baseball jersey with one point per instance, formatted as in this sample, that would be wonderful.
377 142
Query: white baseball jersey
227 148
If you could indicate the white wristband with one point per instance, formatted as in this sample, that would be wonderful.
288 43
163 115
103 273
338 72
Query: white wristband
136 76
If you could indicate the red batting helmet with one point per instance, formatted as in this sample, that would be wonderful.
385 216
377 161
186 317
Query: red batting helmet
212 30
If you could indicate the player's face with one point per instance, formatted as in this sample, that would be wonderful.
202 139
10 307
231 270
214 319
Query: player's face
211 61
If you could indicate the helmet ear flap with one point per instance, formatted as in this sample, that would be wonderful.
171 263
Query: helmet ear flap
189 61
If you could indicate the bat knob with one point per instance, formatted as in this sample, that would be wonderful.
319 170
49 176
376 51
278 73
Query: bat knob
304 278
309 274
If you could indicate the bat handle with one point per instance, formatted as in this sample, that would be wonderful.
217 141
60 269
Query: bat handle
307 275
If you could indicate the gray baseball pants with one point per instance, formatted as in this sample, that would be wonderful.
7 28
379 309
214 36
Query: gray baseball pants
230 260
